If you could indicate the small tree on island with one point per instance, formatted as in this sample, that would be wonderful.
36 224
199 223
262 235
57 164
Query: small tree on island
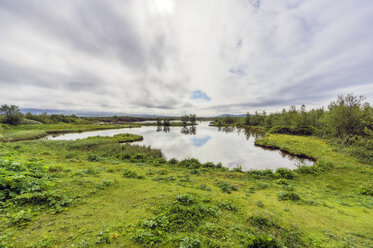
159 122
184 119
193 119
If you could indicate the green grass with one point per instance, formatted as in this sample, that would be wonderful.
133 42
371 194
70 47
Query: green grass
29 132
310 146
128 196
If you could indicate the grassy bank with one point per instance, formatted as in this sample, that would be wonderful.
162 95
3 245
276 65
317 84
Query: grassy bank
98 193
309 147
29 132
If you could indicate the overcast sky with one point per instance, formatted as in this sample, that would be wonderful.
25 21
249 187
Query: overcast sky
184 56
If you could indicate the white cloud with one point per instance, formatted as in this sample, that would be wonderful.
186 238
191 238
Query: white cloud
145 56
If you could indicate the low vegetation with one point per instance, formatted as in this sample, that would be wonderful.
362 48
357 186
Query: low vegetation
98 192
104 192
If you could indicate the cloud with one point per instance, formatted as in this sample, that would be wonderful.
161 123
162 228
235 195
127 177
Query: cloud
141 56
199 95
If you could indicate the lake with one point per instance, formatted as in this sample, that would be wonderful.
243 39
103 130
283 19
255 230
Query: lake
233 147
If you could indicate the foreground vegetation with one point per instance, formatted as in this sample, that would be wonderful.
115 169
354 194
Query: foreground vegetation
97 192
103 192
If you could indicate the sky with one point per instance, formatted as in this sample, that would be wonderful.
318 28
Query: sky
172 57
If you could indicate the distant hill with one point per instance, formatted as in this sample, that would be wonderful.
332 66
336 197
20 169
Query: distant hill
82 113
230 115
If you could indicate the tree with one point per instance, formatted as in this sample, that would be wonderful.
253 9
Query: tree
184 119
159 122
12 114
166 122
345 116
193 119
247 119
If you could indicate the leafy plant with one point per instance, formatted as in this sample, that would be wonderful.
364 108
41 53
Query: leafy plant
190 242
367 190
226 187
292 196
284 173
128 173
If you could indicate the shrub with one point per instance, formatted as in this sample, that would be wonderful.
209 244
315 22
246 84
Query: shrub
190 163
260 221
228 205
45 242
292 196
282 181
367 190
261 173
190 242
259 204
185 199
226 187
260 241
20 218
304 169
173 161
104 238
128 173
237 169
55 169
94 158
308 130
165 179
208 165
27 183
284 173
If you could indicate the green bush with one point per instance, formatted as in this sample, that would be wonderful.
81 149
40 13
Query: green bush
20 218
284 173
259 204
292 196
94 158
128 173
267 173
190 242
208 165
367 190
260 241
185 199
260 221
308 130
282 181
190 163
226 187
173 161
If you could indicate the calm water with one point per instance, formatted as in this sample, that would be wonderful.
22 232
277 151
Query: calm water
231 146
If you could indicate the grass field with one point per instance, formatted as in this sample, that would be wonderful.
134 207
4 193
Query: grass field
99 193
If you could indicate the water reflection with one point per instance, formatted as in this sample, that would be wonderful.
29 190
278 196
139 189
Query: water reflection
188 130
165 129
231 146
200 140
226 129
